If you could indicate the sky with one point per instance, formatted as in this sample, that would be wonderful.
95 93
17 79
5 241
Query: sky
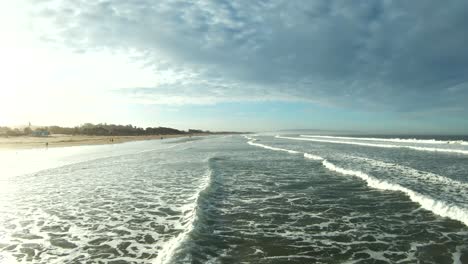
370 66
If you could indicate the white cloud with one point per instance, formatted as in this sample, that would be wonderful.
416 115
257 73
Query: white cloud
370 55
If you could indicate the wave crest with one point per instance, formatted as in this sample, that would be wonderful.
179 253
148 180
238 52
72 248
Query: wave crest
457 151
398 140
437 207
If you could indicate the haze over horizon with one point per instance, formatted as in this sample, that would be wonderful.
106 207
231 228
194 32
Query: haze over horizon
374 66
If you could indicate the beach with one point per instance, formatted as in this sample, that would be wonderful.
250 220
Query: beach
58 140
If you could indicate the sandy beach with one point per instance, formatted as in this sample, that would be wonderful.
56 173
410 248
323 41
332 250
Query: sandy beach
25 142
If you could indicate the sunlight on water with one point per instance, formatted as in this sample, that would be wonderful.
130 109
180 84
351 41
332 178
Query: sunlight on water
23 161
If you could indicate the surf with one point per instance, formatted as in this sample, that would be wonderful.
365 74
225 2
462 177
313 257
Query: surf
170 247
272 148
417 174
396 140
440 208
457 151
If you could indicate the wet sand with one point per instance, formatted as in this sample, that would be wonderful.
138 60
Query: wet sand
26 142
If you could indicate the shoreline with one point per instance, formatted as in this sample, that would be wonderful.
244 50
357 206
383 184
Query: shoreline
55 140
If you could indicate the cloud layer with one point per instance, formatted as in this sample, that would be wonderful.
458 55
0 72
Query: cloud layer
377 55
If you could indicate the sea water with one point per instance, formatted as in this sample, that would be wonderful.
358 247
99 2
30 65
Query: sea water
238 199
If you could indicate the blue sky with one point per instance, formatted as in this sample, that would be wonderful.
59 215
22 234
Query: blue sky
377 66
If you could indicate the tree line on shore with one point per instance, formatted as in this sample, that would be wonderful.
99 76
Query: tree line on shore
100 130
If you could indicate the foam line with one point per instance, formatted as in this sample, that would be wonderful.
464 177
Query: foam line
414 173
167 252
437 207
272 148
458 151
289 257
312 157
399 140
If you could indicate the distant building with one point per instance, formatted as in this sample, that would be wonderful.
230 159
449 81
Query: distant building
40 133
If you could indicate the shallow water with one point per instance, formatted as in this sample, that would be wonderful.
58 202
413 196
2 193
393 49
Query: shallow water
222 200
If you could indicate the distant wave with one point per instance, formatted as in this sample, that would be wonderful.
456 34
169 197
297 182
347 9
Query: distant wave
167 252
249 138
437 207
398 140
272 148
417 174
459 151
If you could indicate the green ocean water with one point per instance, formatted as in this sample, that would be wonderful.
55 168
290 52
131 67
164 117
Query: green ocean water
235 199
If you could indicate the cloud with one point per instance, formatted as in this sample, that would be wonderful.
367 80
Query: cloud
375 55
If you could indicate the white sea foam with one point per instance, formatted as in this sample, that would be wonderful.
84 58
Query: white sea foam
458 151
399 140
419 175
457 255
312 157
169 248
272 148
289 257
437 207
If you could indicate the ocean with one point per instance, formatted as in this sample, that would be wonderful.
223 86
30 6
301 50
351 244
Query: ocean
286 198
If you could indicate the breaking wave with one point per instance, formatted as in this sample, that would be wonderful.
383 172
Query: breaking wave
398 140
437 207
170 247
458 151
272 148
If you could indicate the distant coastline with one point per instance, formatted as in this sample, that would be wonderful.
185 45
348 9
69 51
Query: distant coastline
60 140
88 134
